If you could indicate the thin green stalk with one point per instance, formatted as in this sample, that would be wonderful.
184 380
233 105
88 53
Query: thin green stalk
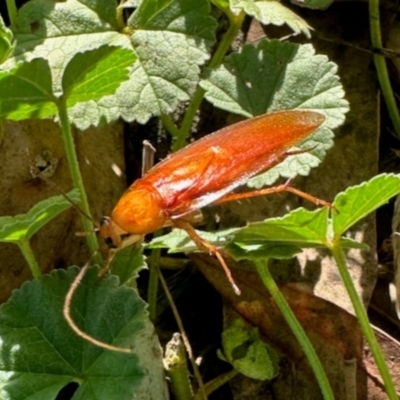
362 317
196 372
152 290
12 11
176 369
217 382
182 134
169 125
120 15
381 67
296 328
27 251
77 180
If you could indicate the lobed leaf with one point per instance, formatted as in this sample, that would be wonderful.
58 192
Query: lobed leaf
300 228
248 353
96 73
128 262
26 91
357 202
171 39
13 229
56 31
40 354
6 41
283 237
272 12
276 76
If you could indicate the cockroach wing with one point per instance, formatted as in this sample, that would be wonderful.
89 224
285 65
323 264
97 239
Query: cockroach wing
211 167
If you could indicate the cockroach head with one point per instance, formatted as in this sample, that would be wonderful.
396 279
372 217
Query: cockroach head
111 232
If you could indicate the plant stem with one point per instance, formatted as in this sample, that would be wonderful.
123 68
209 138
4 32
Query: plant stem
381 67
181 135
12 11
362 317
176 369
217 382
296 328
27 251
120 17
152 290
169 125
77 179
195 368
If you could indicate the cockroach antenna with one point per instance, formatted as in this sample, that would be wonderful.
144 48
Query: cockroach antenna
71 322
73 204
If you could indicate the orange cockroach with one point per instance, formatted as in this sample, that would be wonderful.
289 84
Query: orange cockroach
206 172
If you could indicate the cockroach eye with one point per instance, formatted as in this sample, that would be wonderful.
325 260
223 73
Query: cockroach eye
105 221
109 242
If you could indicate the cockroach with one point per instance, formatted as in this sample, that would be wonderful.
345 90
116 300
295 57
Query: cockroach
206 172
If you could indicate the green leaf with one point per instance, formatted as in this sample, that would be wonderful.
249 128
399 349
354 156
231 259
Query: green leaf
300 228
130 4
272 12
40 354
19 227
128 262
171 38
245 350
275 76
6 41
223 5
105 10
359 201
96 73
178 240
62 25
26 91
282 238
276 251
57 31
314 4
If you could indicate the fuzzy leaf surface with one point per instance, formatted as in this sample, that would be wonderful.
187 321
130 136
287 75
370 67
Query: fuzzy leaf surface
96 73
26 91
272 12
170 40
40 354
276 76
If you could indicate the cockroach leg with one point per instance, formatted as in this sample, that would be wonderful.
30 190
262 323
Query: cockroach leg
116 239
275 189
71 322
207 247
107 267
